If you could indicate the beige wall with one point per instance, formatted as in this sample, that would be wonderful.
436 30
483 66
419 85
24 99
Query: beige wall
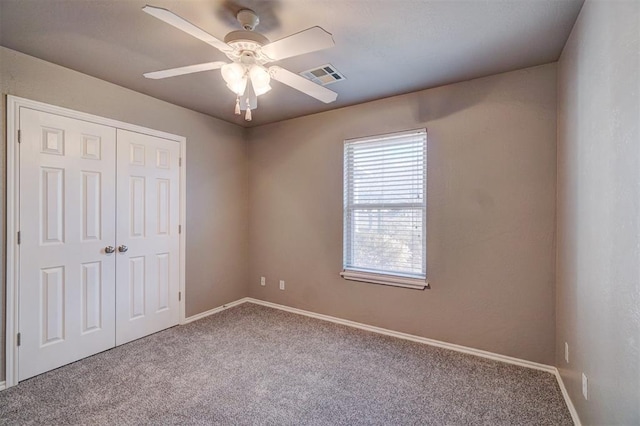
598 273
217 197
491 213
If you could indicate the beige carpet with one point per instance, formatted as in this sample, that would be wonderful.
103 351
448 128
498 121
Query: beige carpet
256 365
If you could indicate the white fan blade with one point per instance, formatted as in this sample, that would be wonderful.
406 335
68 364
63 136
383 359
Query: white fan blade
184 70
307 41
302 84
186 26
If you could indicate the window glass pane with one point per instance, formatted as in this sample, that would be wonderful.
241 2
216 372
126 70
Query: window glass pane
388 240
385 205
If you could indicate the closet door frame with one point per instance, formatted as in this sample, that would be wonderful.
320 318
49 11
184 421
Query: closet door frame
14 104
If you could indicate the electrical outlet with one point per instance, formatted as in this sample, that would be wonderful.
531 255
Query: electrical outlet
263 281
281 284
585 387
566 352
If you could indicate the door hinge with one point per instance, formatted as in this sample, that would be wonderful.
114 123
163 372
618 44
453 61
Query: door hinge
179 296
179 229
180 162
19 136
19 339
19 237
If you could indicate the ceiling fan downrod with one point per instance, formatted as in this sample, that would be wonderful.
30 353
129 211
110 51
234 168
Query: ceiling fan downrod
248 19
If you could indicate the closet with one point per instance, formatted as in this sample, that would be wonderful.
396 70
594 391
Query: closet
98 250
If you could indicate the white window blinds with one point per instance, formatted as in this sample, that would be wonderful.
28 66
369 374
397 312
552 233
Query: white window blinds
385 205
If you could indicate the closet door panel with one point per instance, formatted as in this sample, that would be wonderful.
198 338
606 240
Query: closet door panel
147 261
67 218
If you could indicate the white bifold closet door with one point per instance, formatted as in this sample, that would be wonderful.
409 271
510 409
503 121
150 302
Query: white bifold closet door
99 249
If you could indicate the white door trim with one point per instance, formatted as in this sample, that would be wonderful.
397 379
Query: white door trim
14 104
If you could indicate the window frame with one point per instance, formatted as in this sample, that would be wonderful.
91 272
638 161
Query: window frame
353 273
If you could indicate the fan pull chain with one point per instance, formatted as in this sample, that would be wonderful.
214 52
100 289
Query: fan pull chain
247 116
237 105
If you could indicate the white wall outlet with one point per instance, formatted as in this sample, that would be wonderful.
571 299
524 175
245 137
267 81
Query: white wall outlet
281 284
585 387
263 281
566 352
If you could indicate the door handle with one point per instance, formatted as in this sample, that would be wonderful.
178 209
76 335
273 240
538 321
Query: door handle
123 249
109 249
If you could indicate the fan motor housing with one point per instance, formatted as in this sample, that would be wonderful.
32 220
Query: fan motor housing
245 36
246 47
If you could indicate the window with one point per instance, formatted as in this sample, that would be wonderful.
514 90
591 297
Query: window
385 209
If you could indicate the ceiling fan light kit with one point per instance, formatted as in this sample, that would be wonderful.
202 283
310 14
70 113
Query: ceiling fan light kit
259 79
235 75
246 75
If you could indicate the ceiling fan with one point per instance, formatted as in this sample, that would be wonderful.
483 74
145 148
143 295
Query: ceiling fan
246 76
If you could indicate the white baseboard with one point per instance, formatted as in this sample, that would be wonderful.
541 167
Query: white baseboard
413 338
567 400
445 345
204 314
3 385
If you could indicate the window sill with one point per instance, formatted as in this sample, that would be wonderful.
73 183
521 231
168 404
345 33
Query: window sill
392 280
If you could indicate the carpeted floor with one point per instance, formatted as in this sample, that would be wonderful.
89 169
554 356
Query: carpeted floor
256 365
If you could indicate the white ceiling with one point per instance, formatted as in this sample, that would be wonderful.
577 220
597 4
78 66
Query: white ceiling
383 47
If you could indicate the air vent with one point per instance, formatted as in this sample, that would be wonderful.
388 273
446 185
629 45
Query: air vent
323 75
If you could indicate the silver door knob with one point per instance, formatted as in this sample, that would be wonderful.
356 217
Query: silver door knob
109 249
123 249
